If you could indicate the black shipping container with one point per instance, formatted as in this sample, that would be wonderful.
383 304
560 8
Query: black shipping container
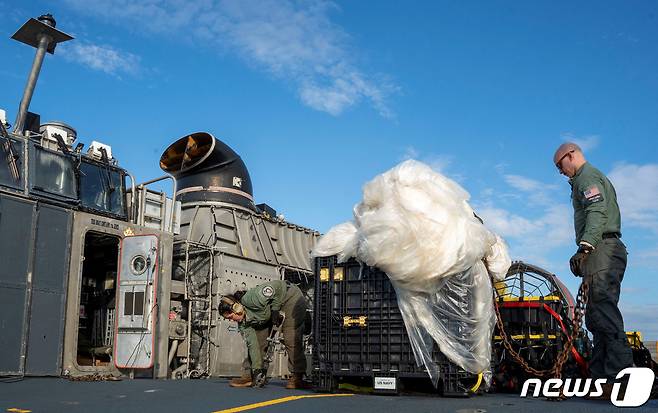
359 334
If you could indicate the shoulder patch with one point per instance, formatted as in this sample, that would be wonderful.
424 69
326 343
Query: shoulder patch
267 291
592 194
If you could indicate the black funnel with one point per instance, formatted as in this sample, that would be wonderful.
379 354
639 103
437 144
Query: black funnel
206 169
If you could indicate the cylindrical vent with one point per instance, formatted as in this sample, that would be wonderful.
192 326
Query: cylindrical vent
48 19
206 169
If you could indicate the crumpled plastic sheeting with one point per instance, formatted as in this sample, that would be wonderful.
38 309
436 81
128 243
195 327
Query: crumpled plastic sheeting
416 225
498 260
341 240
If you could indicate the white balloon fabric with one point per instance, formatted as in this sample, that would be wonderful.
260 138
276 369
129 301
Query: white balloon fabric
417 226
498 259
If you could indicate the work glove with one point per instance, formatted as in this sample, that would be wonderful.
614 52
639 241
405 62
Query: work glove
276 318
577 261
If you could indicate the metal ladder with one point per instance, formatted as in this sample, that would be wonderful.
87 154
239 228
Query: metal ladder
153 209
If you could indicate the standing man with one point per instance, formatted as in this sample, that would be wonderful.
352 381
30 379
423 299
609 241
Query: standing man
601 258
256 311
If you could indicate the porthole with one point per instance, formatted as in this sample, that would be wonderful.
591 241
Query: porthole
138 265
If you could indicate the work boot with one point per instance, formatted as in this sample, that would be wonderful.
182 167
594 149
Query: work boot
296 381
244 381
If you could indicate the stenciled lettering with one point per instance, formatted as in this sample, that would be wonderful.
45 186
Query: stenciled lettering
104 224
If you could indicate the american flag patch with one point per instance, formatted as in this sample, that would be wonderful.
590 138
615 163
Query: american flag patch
592 194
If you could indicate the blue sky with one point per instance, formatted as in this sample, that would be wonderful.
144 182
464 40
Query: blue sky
319 97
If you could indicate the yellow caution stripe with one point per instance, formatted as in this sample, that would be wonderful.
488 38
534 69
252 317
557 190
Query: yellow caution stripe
278 401
531 337
533 298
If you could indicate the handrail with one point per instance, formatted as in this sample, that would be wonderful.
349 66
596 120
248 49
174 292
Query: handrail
173 197
133 210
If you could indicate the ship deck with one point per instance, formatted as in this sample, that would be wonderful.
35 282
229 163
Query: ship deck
214 395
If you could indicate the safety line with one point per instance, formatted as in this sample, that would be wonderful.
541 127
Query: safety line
277 401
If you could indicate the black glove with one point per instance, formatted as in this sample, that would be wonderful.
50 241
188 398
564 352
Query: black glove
276 318
577 261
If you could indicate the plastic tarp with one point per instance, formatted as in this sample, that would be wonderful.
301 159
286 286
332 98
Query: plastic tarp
417 226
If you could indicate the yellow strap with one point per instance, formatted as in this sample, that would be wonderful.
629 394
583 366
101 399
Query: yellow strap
477 384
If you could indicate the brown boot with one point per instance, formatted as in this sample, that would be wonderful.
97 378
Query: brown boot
244 381
296 381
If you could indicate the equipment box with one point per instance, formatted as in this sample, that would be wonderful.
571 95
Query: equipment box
359 335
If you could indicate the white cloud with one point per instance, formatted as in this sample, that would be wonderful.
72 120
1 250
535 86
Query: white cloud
586 143
535 237
637 194
501 167
507 224
101 57
643 253
439 163
294 41
538 224
641 317
410 153
551 229
649 254
532 239
534 192
522 183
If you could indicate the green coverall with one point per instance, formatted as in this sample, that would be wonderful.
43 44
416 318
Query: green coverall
597 222
259 302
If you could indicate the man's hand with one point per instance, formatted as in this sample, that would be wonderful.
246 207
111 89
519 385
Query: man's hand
276 318
577 261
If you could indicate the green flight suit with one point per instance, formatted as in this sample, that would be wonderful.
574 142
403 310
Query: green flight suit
259 302
597 221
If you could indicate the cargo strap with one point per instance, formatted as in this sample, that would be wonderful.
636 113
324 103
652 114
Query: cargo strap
477 384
